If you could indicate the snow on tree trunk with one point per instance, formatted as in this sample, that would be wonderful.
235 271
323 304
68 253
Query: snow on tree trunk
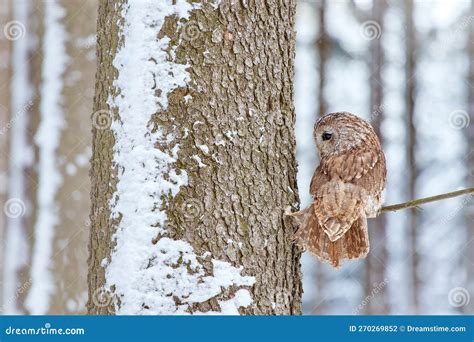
24 31
193 160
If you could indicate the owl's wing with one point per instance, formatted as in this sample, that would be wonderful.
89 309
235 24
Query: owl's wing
337 206
340 185
374 176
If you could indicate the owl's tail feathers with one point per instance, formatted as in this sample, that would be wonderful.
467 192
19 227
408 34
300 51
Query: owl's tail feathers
354 244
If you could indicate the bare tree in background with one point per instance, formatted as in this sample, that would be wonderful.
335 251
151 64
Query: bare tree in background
25 33
469 250
411 143
322 49
69 245
377 260
5 108
52 81
322 46
218 136
5 76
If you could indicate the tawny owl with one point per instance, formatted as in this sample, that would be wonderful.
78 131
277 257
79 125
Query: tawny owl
347 188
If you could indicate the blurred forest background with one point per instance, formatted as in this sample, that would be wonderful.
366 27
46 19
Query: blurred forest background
406 66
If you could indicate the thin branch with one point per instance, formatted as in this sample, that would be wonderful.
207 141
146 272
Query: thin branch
417 202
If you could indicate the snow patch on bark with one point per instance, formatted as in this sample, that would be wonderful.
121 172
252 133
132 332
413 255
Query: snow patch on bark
166 277
48 139
242 298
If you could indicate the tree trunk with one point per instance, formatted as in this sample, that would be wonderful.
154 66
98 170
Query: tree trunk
70 262
413 217
5 123
469 308
59 268
193 159
377 262
322 48
19 239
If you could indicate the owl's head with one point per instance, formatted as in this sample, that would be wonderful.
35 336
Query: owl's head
337 133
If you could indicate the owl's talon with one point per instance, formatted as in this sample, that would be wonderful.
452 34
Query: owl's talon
288 211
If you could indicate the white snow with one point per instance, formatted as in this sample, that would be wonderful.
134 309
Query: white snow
166 277
203 148
199 161
242 298
231 134
219 142
47 139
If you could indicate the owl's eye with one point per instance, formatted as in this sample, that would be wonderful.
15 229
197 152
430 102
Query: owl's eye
326 136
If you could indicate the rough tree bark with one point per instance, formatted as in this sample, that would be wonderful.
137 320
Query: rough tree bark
412 168
377 259
224 168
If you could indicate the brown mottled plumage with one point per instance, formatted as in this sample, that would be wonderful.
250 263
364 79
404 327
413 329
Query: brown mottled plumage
347 188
